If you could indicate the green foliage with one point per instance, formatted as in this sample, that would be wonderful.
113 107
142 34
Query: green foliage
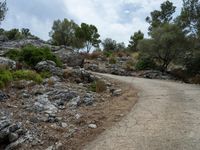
120 46
27 75
31 55
108 53
89 35
45 74
145 63
16 34
63 33
5 77
13 54
189 18
3 10
161 17
13 34
133 43
192 63
25 32
167 44
109 44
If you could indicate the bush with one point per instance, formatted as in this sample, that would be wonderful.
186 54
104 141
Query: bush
192 64
98 86
27 75
107 53
13 34
45 74
145 63
112 60
13 54
31 55
5 77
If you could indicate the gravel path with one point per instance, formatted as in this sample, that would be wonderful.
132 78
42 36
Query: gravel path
166 117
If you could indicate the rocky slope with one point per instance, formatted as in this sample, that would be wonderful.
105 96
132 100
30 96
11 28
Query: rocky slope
47 115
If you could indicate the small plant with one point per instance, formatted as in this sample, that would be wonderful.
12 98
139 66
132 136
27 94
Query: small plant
98 86
107 53
13 34
27 75
13 54
31 55
5 77
45 74
145 63
112 60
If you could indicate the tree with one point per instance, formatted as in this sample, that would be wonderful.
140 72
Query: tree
25 32
63 33
120 46
163 16
134 40
167 44
89 35
109 44
189 19
3 10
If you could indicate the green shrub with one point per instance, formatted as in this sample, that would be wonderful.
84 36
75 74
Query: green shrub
112 60
192 64
45 74
13 54
145 63
107 53
13 34
31 55
5 77
27 75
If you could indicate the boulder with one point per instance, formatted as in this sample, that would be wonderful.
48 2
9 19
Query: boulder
3 96
61 95
6 46
88 99
7 63
10 137
81 75
43 104
71 58
49 66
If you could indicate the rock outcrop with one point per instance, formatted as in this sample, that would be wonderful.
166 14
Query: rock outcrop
5 62
49 66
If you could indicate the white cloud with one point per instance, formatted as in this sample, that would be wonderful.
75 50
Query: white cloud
117 19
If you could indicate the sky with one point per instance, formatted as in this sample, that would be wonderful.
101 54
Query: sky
116 19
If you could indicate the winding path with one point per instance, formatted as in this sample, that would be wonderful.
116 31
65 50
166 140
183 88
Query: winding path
166 117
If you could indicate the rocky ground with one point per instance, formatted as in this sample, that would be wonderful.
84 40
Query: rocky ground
123 67
62 112
61 115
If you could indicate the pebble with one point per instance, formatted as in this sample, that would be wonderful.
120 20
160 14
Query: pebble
92 126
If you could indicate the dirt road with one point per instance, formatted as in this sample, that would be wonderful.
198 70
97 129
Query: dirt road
166 117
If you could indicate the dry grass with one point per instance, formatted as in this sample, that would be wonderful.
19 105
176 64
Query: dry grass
100 86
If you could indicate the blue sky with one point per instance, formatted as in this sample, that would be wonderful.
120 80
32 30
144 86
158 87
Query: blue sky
117 19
